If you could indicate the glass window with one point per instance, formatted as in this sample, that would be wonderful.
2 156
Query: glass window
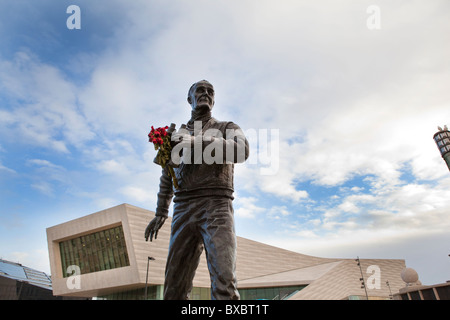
269 293
443 292
428 294
102 250
414 295
137 294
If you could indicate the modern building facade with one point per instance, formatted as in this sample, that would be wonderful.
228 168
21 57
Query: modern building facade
419 292
105 255
19 282
414 290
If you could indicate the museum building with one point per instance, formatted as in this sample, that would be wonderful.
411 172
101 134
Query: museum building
104 255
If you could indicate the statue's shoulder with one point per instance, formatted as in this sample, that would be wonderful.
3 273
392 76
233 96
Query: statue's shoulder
223 125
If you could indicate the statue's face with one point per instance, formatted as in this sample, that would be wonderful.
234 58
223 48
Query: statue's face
201 96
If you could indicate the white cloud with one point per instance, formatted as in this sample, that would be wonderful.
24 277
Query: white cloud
112 166
48 169
137 194
6 169
43 187
44 163
245 207
409 213
43 105
276 212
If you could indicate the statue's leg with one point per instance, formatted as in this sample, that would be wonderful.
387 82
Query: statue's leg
183 258
220 244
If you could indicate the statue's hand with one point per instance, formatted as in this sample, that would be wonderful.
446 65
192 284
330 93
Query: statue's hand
153 227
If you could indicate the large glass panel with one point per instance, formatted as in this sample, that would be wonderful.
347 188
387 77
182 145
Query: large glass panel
443 292
269 293
97 251
414 295
138 294
428 294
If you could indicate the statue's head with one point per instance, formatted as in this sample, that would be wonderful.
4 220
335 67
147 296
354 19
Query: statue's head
201 96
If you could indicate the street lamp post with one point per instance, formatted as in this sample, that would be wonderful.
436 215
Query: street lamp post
146 278
363 284
442 139
390 292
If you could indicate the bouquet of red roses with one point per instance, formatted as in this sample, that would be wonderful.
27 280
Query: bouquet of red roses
160 137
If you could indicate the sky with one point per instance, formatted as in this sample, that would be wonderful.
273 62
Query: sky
339 101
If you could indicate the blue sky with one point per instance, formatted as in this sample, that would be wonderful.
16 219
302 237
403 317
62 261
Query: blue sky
354 170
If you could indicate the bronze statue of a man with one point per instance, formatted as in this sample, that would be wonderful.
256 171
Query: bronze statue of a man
203 210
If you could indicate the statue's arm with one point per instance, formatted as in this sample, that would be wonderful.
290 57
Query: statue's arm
165 195
235 145
233 141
